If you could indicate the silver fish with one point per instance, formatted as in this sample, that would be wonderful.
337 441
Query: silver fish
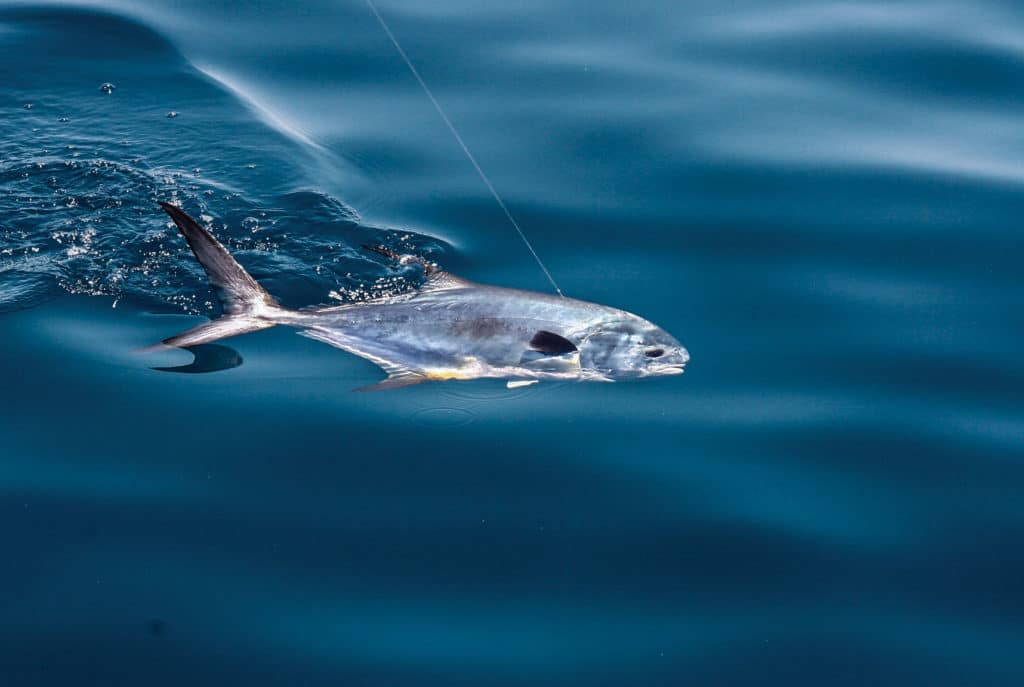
450 328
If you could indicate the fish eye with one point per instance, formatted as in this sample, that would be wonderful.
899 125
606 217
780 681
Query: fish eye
654 353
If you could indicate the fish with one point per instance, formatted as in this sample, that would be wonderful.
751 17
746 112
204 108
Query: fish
448 329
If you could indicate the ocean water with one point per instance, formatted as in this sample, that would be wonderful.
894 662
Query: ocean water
822 200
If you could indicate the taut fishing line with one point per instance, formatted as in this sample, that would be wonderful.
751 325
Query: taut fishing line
462 144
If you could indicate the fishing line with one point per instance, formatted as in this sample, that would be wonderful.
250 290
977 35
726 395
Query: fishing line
462 144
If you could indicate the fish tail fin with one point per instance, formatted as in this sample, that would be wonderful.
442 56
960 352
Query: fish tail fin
215 330
247 307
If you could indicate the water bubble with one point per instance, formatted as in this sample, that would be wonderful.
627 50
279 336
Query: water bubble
251 223
63 119
107 87
172 114
28 106
197 171
250 166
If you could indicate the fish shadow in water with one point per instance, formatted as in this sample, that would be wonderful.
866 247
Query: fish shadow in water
208 358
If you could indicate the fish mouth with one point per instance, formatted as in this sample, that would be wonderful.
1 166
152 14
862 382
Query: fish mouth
673 369
675 365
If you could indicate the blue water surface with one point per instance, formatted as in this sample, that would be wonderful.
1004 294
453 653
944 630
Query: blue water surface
822 200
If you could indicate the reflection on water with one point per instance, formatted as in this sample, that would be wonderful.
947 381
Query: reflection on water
206 358
820 199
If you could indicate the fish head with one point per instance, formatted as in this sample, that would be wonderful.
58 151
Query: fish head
631 348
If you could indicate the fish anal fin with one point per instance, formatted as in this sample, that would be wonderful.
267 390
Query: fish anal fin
395 381
550 343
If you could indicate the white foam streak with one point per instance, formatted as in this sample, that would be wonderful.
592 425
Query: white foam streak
273 119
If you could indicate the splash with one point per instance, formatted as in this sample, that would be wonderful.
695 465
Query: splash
82 169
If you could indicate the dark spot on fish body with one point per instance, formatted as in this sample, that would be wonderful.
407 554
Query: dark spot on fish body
550 343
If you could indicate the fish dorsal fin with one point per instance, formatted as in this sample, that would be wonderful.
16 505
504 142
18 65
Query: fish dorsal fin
437 280
395 380
429 268
441 281
550 343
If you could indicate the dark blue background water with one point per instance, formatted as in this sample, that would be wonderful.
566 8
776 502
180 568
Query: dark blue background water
821 200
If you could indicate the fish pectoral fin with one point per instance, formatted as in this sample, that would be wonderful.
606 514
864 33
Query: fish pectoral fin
395 380
518 383
550 343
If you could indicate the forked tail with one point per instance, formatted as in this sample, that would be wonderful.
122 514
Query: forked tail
247 307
